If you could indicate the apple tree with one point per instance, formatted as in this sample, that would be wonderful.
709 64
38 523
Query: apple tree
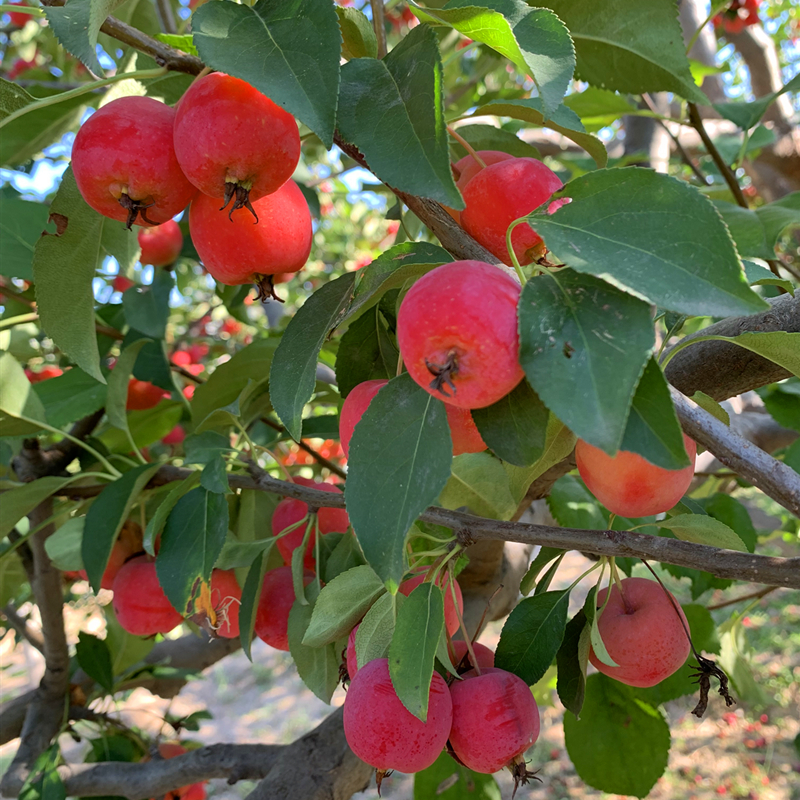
305 307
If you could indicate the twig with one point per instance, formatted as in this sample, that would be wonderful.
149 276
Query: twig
166 16
379 23
697 123
20 625
752 596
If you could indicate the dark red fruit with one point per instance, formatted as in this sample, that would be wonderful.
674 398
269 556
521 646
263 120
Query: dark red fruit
44 374
495 719
226 596
457 331
502 193
122 284
143 395
274 605
234 142
161 245
124 162
241 252
139 602
383 733
483 654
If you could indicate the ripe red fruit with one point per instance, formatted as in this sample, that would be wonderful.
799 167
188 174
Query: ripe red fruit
628 485
463 431
119 555
19 65
457 332
234 142
738 15
124 162
175 436
44 374
274 605
483 654
161 245
226 597
143 395
450 614
139 602
194 791
501 193
465 169
351 657
383 733
289 511
18 19
242 252
122 284
495 720
643 633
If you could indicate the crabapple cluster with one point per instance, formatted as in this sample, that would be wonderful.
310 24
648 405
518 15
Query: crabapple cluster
225 146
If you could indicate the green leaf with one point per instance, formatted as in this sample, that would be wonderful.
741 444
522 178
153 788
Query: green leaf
235 555
760 276
159 519
118 382
126 649
563 121
400 99
341 604
571 660
620 744
64 265
184 42
251 593
573 505
598 108
630 48
784 407
653 430
712 406
12 577
702 529
147 307
746 230
287 49
358 35
583 346
394 268
514 427
777 216
21 225
366 352
487 137
94 658
543 558
535 40
18 400
780 347
318 667
191 541
400 457
105 519
146 427
215 476
479 482
420 622
748 115
64 546
375 631
292 376
446 779
532 635
202 448
21 500
76 27
615 228
70 396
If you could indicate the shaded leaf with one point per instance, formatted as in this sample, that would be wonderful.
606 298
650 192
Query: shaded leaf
94 658
703 530
479 482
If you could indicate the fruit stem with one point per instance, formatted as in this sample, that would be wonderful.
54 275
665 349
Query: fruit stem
44 102
618 584
715 9
466 145
511 254
13 9
399 370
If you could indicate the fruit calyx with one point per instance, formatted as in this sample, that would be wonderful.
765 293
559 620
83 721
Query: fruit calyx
444 373
522 775
135 208
264 283
240 194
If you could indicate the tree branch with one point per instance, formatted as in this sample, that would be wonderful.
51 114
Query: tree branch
20 625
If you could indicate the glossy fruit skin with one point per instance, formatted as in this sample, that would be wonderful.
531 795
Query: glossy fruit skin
226 130
483 654
463 431
274 605
381 732
139 602
628 485
126 146
467 168
240 250
647 641
466 311
501 193
290 510
122 284
119 555
161 245
450 614
143 395
495 719
226 596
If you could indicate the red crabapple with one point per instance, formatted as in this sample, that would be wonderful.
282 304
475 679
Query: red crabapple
483 654
502 193
226 596
139 602
383 733
124 162
450 614
351 657
274 605
121 284
143 395
642 632
119 555
457 332
495 720
290 511
242 252
234 142
44 374
463 431
161 245
628 485
465 169
19 19
175 436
